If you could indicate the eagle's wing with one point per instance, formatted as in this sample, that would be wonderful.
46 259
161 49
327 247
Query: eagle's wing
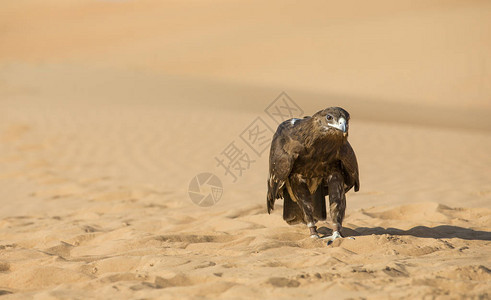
350 167
284 151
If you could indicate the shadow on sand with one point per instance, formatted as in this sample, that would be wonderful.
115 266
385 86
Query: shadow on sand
438 232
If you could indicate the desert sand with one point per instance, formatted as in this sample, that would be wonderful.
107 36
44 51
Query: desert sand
108 109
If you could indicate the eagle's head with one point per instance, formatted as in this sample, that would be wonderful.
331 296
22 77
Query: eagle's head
333 120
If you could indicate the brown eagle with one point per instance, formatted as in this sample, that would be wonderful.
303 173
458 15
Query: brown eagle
309 159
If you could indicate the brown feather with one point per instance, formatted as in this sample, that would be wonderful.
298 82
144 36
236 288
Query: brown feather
304 154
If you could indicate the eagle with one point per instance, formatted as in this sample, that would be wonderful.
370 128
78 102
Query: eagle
309 159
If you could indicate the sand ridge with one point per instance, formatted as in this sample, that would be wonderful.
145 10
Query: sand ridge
142 248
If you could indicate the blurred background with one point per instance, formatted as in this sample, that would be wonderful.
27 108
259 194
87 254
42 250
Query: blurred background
109 94
415 52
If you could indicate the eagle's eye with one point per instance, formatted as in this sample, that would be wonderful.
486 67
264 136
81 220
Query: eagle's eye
329 117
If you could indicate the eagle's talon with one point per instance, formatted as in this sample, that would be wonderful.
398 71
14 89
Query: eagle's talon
315 236
331 238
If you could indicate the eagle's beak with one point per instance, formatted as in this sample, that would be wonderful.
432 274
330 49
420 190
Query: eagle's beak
341 125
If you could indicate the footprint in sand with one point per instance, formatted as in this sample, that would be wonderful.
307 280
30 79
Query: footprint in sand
283 282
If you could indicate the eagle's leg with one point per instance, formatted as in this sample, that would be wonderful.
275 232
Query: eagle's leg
313 230
301 195
337 205
308 212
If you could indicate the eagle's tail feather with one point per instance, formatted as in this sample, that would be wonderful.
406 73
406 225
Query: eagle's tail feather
292 213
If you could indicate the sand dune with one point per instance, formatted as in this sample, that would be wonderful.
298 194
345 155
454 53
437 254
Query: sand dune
108 109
